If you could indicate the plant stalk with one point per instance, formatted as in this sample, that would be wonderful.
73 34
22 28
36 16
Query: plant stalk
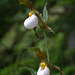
47 51
46 46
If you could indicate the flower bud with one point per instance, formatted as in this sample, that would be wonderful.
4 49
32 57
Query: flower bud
31 22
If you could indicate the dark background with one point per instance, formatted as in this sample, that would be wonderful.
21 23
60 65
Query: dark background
14 37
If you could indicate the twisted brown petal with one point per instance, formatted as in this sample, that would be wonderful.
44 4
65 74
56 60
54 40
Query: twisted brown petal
27 3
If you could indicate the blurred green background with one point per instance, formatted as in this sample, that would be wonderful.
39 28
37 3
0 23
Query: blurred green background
14 37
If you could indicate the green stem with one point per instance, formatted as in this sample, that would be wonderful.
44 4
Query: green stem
47 51
46 46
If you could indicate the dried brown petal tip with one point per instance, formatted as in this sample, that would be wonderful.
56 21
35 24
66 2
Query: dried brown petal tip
27 3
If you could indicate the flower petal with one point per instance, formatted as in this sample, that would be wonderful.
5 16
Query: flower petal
27 3
31 22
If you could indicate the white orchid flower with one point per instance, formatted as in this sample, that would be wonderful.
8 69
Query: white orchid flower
43 69
31 22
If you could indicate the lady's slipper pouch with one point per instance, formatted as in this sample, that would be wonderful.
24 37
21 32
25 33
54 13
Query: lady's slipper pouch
43 69
31 22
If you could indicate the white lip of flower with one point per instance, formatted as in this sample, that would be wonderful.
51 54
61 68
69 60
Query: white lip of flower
31 22
43 69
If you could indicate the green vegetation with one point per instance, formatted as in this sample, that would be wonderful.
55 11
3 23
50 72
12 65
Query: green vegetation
14 37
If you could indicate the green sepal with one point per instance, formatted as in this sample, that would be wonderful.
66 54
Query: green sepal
41 55
27 3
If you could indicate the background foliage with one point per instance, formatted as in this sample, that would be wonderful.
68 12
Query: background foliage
14 37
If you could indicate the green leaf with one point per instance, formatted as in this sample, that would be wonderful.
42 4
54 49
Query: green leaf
32 71
45 13
41 20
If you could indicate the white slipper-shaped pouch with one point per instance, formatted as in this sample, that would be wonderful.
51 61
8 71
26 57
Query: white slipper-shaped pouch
43 69
31 22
